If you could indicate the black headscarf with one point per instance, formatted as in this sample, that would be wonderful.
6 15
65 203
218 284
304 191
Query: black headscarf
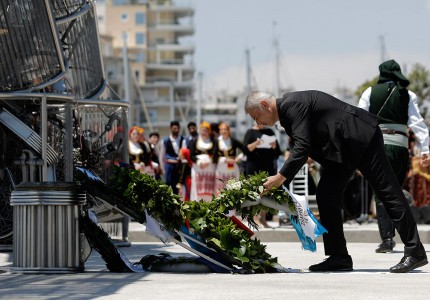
390 71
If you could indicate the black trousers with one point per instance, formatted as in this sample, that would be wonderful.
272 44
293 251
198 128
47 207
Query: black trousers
399 161
377 170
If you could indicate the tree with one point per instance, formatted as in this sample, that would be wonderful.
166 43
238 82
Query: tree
368 83
420 82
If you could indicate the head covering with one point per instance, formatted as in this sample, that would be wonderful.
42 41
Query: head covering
205 124
137 128
186 153
390 71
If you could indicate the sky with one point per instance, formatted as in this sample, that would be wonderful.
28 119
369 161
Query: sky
323 44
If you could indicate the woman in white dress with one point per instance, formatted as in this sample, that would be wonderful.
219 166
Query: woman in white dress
204 154
228 151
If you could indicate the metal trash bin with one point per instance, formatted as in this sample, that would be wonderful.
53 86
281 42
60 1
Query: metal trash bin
46 232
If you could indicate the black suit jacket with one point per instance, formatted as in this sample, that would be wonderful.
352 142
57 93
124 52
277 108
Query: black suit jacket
323 128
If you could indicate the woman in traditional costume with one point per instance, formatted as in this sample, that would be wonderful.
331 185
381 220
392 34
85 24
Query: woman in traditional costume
228 151
204 154
140 152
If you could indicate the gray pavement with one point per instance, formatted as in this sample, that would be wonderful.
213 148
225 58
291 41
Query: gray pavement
354 233
369 280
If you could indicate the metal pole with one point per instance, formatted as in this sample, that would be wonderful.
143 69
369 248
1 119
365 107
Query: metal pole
68 153
127 77
276 62
171 101
249 121
44 125
200 99
382 40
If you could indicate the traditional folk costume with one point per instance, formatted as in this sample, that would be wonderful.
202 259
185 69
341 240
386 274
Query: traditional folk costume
185 165
141 154
396 109
203 179
171 147
227 148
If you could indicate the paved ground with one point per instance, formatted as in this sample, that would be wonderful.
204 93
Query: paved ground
369 280
354 233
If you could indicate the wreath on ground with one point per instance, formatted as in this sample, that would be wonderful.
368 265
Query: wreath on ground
135 193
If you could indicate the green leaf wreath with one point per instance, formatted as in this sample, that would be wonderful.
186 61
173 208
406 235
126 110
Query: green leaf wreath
135 192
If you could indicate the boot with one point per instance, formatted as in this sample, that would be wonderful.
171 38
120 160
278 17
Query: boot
386 246
386 230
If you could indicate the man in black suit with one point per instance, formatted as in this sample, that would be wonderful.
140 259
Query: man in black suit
342 138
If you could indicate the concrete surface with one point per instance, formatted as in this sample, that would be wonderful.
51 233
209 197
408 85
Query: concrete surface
369 280
354 233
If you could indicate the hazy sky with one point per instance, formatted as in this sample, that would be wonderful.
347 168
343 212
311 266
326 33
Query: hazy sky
324 44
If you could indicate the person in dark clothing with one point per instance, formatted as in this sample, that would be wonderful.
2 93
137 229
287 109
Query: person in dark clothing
172 144
397 109
153 140
342 138
193 133
260 158
257 157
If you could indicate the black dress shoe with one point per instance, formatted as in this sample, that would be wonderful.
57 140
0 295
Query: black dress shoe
409 263
333 263
386 246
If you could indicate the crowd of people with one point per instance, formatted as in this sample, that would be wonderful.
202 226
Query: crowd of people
197 166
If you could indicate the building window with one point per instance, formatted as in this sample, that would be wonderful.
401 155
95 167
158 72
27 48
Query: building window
124 17
153 115
140 18
140 38
140 57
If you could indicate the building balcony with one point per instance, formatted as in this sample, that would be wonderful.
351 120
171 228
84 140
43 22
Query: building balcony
171 64
172 46
166 104
179 29
178 10
157 82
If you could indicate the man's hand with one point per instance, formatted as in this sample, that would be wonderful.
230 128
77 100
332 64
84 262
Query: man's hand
274 181
425 160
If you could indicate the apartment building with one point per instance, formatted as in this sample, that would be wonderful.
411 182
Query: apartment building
157 37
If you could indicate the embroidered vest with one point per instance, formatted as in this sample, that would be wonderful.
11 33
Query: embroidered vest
395 109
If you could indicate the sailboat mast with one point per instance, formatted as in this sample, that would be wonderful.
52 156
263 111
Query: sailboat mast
248 81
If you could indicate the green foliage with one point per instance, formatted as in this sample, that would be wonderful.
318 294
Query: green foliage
139 192
419 77
206 219
222 234
249 189
368 83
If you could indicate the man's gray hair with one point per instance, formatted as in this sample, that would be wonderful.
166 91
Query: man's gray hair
253 100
